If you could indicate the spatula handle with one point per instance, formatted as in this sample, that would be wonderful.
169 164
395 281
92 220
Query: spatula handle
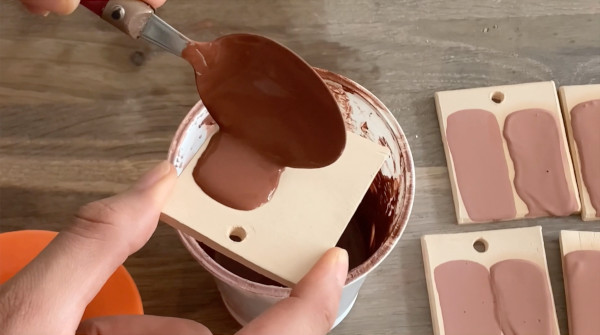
96 6
129 16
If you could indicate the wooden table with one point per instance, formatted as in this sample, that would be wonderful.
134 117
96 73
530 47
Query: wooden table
84 111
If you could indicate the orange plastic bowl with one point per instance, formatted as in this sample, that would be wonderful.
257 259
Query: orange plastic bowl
118 296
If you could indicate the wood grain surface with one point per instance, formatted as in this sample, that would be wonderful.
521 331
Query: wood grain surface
84 111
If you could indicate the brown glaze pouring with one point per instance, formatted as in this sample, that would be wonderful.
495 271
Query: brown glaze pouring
273 112
272 108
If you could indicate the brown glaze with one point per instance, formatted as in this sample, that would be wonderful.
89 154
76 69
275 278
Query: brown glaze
536 149
466 298
383 211
523 298
585 120
582 271
372 222
269 99
479 162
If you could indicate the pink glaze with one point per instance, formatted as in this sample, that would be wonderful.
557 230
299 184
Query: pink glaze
582 281
479 162
536 149
466 298
523 298
585 120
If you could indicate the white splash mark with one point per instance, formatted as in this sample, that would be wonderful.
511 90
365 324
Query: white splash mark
202 56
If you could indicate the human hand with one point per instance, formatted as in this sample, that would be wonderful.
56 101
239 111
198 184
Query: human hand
50 294
311 309
64 7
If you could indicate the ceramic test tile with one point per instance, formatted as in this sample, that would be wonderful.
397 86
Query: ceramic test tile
513 98
285 237
571 96
519 243
571 241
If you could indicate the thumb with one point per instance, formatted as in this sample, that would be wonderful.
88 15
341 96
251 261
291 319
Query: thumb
125 222
312 306
52 291
140 325
62 7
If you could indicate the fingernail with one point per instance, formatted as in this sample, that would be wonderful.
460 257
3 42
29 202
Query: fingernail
153 176
341 266
33 9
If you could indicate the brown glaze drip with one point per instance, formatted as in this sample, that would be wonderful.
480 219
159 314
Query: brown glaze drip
368 229
523 298
269 101
475 143
536 150
585 120
337 90
466 298
582 271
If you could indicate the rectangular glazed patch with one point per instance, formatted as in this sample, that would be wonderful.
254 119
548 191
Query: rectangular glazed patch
507 153
489 281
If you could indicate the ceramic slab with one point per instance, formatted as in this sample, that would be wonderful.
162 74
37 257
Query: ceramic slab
519 243
286 236
574 241
514 98
571 96
578 240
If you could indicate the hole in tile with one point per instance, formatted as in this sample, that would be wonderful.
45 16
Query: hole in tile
237 234
497 97
480 245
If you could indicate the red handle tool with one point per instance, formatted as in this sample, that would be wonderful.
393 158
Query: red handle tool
137 19
129 16
96 6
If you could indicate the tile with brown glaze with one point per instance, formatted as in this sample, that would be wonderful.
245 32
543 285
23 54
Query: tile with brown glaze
283 238
510 263
470 164
581 111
